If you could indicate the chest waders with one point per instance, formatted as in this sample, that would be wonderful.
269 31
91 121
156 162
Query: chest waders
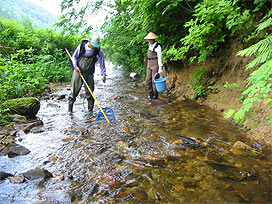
151 70
86 65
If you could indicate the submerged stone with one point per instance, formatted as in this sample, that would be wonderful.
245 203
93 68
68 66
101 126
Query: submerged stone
240 148
188 142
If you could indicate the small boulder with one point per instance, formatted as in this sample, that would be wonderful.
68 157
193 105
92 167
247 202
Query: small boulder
37 174
13 150
4 175
17 118
17 179
28 106
240 148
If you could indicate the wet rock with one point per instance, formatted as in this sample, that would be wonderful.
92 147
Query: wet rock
186 142
37 174
28 106
194 131
31 125
53 105
111 180
232 172
37 129
61 97
244 195
189 185
4 175
8 140
240 148
4 130
17 179
178 188
20 133
13 150
17 118
1 148
140 194
221 167
46 97
155 161
123 195
216 156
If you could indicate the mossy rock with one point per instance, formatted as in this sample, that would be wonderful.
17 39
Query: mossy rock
28 106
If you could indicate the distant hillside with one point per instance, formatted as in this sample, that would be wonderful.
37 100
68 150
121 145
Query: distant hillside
20 9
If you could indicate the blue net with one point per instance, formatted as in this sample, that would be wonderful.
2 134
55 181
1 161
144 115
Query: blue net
109 113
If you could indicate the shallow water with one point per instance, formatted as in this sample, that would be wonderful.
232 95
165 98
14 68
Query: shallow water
138 158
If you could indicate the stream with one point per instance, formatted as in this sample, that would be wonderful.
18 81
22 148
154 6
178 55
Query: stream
138 158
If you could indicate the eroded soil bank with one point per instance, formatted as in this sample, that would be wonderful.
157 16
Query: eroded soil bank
224 68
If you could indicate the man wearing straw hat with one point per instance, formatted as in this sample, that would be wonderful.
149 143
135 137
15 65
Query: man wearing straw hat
154 64
84 59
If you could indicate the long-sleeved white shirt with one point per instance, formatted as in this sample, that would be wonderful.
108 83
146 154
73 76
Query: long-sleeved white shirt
158 50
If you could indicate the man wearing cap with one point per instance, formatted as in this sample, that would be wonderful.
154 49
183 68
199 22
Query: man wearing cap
154 64
84 59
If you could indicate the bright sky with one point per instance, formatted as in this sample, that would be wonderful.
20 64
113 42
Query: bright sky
52 6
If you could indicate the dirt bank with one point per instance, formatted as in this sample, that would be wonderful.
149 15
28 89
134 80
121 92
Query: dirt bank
225 67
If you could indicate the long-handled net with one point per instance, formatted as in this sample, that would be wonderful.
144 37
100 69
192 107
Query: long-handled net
108 111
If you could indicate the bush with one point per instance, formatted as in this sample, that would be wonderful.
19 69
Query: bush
30 59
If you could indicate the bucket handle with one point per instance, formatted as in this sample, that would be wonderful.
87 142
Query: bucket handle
158 73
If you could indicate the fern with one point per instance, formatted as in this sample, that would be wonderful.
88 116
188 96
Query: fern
259 48
264 24
197 82
260 81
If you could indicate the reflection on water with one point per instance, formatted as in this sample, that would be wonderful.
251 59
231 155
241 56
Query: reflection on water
138 158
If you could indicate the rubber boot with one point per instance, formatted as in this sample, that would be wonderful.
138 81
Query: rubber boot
90 107
70 106
151 95
155 96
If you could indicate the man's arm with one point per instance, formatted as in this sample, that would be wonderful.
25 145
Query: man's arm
159 55
75 58
102 65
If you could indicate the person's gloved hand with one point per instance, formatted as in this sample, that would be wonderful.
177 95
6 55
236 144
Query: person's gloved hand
77 69
160 70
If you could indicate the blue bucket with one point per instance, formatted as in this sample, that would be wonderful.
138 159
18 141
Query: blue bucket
160 84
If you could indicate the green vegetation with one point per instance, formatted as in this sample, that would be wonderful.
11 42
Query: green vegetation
189 30
260 81
30 59
213 22
198 83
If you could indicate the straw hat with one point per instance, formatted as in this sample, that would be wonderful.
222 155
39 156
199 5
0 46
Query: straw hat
151 36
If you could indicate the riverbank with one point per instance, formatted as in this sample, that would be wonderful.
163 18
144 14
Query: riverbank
226 67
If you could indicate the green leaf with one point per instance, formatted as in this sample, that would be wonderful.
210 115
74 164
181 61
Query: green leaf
229 113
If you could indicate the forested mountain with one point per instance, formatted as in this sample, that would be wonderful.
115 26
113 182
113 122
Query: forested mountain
23 9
